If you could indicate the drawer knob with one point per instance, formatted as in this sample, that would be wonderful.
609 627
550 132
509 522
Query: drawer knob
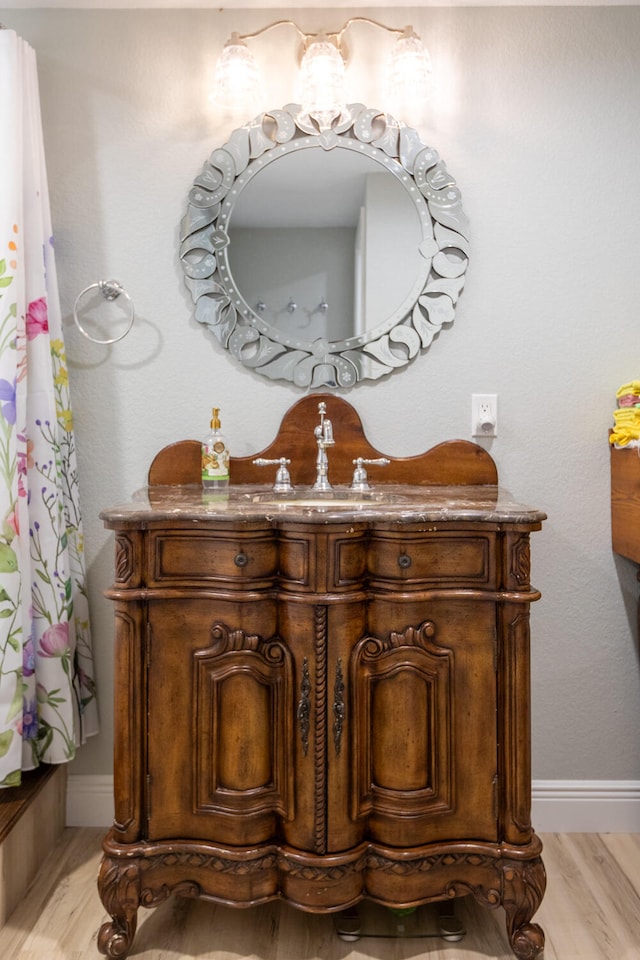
241 560
404 561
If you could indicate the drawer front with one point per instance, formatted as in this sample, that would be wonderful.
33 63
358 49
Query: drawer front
445 559
333 561
184 558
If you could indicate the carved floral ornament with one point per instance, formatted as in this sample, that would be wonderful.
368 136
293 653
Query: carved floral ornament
259 345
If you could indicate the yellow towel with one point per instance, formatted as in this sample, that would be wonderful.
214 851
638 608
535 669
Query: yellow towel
627 426
632 387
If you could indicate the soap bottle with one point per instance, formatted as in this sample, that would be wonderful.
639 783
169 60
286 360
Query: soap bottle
215 457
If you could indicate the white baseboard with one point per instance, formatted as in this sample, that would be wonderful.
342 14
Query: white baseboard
558 806
90 801
586 806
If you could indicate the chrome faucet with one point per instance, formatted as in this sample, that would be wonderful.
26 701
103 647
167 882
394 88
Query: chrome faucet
360 480
283 479
324 438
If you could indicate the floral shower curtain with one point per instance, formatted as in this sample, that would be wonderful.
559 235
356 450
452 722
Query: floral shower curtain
47 689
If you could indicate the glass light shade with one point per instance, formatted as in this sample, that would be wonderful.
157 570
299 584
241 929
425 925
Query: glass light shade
322 81
409 68
236 82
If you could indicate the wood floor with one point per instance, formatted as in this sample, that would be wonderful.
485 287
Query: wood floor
591 912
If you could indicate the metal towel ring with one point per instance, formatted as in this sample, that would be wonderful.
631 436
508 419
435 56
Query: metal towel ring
110 290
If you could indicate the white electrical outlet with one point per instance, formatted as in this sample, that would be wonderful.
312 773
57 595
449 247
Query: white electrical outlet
484 415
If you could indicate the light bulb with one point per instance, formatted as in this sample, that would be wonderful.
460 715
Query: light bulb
236 82
322 81
409 69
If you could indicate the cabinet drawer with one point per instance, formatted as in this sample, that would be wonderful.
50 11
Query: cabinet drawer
195 557
447 559
332 561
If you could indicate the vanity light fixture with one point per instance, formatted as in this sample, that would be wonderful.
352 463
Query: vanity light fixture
409 66
322 80
323 57
237 78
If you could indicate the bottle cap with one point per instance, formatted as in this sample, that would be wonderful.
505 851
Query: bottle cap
215 421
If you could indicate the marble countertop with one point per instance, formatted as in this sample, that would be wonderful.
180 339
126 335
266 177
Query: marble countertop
385 502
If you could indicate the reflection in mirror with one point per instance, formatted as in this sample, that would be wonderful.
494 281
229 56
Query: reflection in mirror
324 258
325 244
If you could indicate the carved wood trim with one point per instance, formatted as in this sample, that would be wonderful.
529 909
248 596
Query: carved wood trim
521 561
119 888
128 552
424 864
146 874
123 557
522 892
320 727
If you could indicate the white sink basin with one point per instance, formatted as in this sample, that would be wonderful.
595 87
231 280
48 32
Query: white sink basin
332 499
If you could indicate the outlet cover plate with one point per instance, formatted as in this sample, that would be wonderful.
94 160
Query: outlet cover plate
484 415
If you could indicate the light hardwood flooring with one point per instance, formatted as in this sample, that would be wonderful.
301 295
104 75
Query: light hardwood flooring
591 911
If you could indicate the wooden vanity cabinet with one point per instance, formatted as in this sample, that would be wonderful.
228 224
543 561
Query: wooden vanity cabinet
322 706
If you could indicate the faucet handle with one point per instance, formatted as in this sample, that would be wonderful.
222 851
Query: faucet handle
360 481
283 480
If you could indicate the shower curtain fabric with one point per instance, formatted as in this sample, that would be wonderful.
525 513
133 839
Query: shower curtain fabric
47 687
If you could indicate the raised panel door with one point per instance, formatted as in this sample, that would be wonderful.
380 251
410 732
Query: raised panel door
424 743
220 692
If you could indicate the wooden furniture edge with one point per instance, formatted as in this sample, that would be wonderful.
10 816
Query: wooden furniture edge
625 502
14 801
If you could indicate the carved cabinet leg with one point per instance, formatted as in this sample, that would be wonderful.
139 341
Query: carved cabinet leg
119 888
523 888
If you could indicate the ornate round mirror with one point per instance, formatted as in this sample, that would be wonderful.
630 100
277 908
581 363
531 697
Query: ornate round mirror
324 258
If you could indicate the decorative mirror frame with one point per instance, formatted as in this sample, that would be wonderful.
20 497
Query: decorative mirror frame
391 345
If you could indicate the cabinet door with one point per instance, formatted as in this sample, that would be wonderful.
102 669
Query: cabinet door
219 721
321 638
424 735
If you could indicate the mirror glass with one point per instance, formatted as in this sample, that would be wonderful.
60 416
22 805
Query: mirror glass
309 245
324 258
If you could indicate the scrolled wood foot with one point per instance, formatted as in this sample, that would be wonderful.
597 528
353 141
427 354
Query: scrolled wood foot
523 888
527 941
115 938
119 889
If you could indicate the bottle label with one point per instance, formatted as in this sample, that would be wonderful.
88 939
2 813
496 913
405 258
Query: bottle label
215 460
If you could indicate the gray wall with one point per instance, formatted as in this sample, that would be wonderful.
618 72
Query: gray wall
537 115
